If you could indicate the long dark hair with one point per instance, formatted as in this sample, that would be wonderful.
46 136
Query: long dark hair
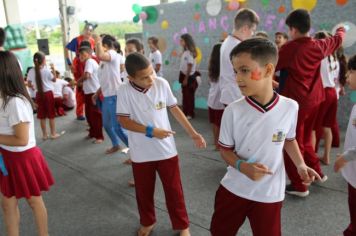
38 59
189 44
343 65
214 63
11 80
109 41
324 35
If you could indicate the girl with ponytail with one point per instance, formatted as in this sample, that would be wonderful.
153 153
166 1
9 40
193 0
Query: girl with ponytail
41 79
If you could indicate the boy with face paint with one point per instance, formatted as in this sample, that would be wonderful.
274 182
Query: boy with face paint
253 134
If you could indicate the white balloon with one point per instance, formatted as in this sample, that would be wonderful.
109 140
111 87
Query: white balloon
350 37
213 7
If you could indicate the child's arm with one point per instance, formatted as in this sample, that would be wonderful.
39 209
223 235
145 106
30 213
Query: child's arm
254 171
20 136
181 118
134 126
341 161
306 173
99 51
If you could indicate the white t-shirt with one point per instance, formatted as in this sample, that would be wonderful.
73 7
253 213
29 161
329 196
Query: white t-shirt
91 85
257 134
70 101
47 79
214 96
187 58
156 58
148 107
349 171
58 87
229 88
327 71
109 74
18 110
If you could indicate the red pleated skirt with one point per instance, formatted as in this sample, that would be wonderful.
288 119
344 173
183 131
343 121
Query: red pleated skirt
28 174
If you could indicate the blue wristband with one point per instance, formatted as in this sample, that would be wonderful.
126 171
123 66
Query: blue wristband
68 61
2 166
238 164
149 131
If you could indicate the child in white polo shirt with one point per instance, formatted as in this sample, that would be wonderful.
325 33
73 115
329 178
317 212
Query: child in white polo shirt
142 106
254 131
347 161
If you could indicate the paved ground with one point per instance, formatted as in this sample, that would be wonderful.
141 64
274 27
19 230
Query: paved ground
91 196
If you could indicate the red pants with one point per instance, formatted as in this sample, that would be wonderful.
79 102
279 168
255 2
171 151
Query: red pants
79 96
336 135
188 99
215 116
230 212
145 179
351 230
94 118
306 123
58 105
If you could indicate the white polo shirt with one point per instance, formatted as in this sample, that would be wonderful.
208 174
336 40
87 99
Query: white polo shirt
349 171
214 96
58 87
229 88
47 79
18 110
109 74
91 85
148 107
257 134
156 58
187 58
327 72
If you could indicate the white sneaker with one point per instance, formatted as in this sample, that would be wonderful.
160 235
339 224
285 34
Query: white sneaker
291 191
322 180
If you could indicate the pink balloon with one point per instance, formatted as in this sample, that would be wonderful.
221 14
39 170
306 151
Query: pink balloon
233 6
143 15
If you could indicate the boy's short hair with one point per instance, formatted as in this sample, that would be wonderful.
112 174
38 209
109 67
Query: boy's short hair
135 42
283 34
136 62
261 50
85 49
245 16
68 79
262 34
85 43
2 37
351 65
300 20
154 40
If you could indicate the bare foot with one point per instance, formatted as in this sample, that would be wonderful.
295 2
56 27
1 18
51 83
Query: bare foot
112 150
145 230
44 137
325 161
128 161
131 183
185 232
98 141
56 135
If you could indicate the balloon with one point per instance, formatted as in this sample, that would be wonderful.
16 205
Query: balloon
164 25
304 4
136 19
136 8
143 15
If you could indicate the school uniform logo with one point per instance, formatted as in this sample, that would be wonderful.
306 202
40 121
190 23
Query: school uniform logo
160 105
278 137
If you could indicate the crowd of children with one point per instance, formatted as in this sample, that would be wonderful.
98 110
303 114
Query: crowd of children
280 97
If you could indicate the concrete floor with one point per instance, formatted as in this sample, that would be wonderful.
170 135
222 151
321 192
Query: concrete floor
91 196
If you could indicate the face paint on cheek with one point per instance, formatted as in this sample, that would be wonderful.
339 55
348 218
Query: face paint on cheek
256 74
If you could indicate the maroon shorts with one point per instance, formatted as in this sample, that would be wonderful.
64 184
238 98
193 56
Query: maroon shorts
28 174
327 109
45 103
215 116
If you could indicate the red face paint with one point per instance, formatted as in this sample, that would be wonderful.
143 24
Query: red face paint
256 74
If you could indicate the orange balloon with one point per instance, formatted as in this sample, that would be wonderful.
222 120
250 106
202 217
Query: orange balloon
196 16
341 2
174 53
282 9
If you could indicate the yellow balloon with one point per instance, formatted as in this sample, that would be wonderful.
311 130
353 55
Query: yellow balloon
304 4
199 55
164 25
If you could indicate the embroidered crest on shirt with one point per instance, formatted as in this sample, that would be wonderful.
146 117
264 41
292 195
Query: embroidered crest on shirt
278 137
160 105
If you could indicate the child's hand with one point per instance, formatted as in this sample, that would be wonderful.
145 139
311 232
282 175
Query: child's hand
162 133
254 171
307 174
93 98
96 38
339 163
199 140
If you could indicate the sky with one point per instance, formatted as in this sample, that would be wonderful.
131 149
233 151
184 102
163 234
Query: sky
91 10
